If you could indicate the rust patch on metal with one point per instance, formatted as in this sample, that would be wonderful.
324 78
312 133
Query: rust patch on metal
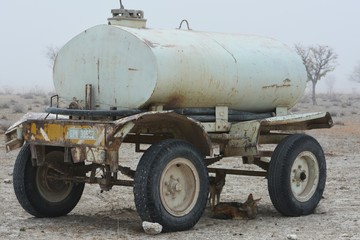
286 83
175 101
169 46
78 153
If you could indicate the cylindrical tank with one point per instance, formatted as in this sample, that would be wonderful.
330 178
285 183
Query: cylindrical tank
137 68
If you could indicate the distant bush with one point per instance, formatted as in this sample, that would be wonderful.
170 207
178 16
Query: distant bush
46 101
354 98
8 90
32 93
4 105
17 108
4 125
346 104
334 98
27 95
333 114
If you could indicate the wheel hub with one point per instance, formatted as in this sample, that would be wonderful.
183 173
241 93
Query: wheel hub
299 176
304 176
173 186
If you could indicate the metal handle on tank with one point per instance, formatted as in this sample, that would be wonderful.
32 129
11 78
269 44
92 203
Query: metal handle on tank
187 24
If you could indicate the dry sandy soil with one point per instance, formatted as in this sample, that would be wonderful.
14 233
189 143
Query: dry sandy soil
112 215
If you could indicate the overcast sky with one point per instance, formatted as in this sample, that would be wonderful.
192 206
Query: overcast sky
28 28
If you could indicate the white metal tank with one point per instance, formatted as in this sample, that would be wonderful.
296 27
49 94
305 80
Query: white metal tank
139 67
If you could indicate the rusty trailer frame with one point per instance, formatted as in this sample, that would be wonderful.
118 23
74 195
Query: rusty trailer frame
98 141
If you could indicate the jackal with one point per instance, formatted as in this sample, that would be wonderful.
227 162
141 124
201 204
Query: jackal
235 210
216 185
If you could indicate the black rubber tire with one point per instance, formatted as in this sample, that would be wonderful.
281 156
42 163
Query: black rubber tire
28 193
147 184
280 175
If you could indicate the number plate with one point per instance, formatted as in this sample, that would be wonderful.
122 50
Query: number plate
82 133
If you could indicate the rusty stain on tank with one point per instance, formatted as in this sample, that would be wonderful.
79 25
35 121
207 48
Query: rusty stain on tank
286 83
175 100
234 91
169 46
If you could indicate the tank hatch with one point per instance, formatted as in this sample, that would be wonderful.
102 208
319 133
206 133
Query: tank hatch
127 18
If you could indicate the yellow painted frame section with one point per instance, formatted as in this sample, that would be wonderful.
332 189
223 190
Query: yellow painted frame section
56 133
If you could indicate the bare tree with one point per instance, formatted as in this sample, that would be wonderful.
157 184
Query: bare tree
355 76
318 60
51 54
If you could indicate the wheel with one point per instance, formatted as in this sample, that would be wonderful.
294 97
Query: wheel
39 195
297 175
171 185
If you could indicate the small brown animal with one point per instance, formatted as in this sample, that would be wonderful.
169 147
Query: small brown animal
235 210
216 185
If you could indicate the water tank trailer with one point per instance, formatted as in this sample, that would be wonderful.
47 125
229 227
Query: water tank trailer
185 99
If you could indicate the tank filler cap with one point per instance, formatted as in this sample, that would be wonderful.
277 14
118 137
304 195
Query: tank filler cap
127 18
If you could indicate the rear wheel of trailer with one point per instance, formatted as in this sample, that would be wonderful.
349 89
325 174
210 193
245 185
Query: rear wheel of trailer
37 189
297 175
